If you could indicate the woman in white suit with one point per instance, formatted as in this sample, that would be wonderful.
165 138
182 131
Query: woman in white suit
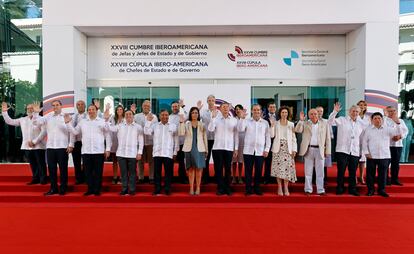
284 151
195 147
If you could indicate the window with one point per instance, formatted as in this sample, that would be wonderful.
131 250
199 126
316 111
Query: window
408 77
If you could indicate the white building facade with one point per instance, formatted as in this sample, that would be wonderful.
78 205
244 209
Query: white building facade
297 53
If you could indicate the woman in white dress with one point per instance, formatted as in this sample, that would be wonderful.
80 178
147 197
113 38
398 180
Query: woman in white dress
115 120
284 151
365 119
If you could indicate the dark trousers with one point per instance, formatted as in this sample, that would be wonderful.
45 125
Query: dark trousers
37 161
268 165
372 165
182 175
93 164
249 161
77 162
395 163
168 169
344 161
222 159
206 171
128 173
57 157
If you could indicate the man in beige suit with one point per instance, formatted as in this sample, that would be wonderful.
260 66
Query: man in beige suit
315 146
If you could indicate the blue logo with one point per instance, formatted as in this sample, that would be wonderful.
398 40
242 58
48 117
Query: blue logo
288 60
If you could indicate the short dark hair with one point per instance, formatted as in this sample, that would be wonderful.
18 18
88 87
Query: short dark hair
191 110
270 103
164 110
279 112
239 106
174 102
376 114
93 105
58 101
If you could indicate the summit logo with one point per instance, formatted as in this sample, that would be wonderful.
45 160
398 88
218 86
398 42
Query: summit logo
288 60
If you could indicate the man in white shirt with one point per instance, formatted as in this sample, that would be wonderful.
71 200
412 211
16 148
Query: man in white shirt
315 146
226 143
256 147
396 145
148 143
130 145
348 152
94 133
205 115
34 152
269 117
165 137
176 110
59 144
375 146
76 153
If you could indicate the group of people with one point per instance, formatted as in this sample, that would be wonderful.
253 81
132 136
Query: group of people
264 140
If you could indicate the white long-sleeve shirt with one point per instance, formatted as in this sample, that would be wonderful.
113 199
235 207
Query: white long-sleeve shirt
257 136
130 139
226 136
29 131
94 133
165 138
404 131
205 115
77 118
58 136
140 119
376 141
348 135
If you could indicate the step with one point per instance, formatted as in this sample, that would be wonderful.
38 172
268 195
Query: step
108 187
180 197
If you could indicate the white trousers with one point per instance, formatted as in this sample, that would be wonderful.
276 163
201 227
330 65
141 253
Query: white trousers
313 159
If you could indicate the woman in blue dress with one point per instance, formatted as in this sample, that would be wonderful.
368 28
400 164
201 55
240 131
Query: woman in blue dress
195 147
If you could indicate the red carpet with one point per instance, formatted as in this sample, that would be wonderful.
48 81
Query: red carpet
31 223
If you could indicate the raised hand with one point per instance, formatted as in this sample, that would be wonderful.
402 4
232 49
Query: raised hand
133 107
181 103
107 114
337 106
96 103
36 107
182 118
395 118
302 116
199 105
4 106
67 118
150 117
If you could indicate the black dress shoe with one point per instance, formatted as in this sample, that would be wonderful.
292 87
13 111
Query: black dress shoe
132 193
44 182
51 192
168 192
308 193
79 182
97 193
140 181
248 193
370 193
157 192
88 193
229 192
62 193
258 192
388 182
33 182
396 183
219 193
339 192
123 193
383 194
354 193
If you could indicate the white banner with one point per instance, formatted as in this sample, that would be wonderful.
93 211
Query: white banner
254 57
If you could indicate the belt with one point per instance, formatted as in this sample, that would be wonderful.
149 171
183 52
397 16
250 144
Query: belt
313 146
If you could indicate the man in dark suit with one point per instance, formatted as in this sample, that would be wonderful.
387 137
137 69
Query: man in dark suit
271 114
